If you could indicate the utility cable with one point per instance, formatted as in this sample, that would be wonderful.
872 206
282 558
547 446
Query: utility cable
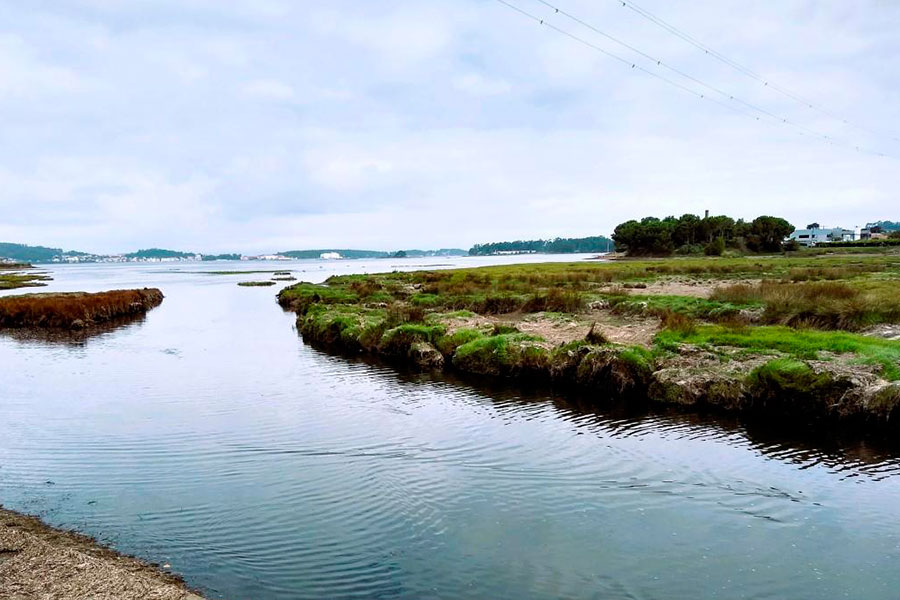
780 120
746 70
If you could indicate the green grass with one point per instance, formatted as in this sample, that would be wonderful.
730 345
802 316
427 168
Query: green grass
11 281
256 283
805 344
807 303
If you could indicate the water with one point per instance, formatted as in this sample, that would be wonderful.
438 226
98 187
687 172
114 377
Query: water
208 436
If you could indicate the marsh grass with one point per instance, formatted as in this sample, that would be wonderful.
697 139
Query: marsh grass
20 275
79 309
798 344
819 304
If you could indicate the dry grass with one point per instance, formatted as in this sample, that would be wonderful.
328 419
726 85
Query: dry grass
75 310
820 304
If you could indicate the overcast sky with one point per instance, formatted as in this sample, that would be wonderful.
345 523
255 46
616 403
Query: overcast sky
265 125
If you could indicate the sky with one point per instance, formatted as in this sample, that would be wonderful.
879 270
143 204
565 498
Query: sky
268 125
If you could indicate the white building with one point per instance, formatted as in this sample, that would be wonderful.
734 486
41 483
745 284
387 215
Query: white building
813 237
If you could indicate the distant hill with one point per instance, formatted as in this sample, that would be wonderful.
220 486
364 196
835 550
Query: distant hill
208 257
159 253
354 254
597 243
32 254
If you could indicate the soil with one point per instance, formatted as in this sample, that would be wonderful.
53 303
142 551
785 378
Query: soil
40 562
556 330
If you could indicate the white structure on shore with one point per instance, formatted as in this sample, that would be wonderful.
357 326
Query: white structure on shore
813 237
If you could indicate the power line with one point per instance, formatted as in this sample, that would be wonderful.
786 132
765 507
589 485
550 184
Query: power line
660 63
780 120
746 70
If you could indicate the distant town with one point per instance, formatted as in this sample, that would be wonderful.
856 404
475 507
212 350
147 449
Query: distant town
885 232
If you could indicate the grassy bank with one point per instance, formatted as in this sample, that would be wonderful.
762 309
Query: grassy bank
793 335
75 310
19 275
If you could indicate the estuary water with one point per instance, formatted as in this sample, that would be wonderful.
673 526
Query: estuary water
208 437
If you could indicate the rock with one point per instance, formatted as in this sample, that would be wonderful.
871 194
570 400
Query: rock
426 357
697 386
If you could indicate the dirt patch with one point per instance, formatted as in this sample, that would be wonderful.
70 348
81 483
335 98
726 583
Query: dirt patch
559 329
39 562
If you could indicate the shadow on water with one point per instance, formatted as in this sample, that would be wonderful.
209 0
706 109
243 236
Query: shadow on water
72 337
852 452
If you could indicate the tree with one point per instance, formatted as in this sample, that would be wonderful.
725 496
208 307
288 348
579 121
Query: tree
813 226
767 233
685 232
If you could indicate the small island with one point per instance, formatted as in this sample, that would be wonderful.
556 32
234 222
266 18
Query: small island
15 275
803 334
75 310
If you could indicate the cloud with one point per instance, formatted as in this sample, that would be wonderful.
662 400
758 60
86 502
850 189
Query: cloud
269 89
265 126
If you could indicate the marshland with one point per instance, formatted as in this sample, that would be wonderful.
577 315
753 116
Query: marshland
75 310
19 275
805 334
350 475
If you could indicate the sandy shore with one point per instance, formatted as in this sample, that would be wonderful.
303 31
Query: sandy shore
39 562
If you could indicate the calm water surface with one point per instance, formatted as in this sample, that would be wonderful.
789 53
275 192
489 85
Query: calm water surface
209 437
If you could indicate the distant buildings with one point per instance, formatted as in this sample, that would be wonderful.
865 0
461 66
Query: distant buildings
816 236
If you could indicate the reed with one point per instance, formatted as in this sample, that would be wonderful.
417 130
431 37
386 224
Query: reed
77 309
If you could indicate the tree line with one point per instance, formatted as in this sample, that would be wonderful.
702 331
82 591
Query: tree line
690 234
596 243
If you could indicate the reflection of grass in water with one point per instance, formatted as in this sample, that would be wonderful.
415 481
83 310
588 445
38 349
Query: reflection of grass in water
255 283
70 337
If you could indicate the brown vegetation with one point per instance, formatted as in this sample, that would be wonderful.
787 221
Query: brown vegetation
75 310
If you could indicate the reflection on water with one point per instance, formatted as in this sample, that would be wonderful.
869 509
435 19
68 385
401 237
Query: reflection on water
70 337
211 438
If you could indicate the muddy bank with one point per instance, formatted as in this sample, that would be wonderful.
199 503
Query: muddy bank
40 562
75 310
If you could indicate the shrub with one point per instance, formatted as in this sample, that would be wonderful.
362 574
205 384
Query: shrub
715 247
